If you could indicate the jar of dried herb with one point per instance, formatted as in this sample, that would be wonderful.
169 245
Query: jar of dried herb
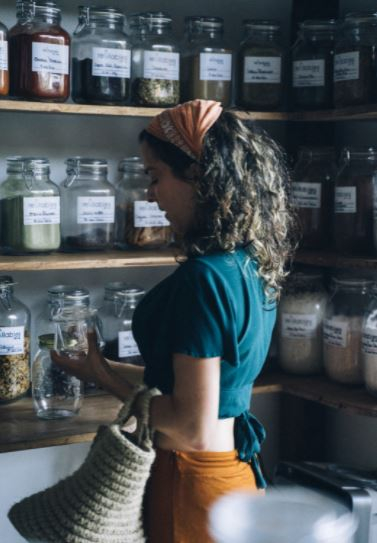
139 224
260 66
312 65
14 344
4 70
206 61
155 60
29 207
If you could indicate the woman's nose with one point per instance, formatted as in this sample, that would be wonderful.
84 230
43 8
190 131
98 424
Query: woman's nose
150 194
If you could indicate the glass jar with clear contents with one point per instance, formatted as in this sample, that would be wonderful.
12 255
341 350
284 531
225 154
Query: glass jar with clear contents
300 318
369 344
342 329
88 206
139 224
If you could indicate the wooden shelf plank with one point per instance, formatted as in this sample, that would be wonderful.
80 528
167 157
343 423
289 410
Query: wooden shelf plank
354 113
332 260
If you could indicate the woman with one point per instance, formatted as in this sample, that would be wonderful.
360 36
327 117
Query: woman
205 330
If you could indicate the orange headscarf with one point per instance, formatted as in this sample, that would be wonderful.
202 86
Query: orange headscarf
186 125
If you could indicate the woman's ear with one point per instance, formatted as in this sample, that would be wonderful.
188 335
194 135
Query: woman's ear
193 172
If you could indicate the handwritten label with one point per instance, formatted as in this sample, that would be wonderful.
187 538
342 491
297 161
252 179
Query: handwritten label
11 340
262 70
148 214
215 67
307 195
95 209
160 65
309 73
111 62
42 210
50 58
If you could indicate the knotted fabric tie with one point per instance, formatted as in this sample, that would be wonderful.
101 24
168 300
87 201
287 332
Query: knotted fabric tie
249 435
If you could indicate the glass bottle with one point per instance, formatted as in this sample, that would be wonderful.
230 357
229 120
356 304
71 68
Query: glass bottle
14 343
4 68
206 61
115 317
139 224
88 206
39 50
29 207
260 66
155 61
300 318
313 194
369 344
343 327
101 60
353 210
313 65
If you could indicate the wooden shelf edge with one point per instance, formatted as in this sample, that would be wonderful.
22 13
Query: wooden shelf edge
331 260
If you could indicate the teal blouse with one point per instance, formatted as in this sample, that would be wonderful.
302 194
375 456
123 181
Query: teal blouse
211 306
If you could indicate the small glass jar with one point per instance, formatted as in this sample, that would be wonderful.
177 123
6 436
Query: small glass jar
88 206
39 51
115 320
354 70
155 61
313 65
353 209
14 344
343 327
4 68
369 344
260 66
206 61
29 207
300 318
101 60
139 224
313 194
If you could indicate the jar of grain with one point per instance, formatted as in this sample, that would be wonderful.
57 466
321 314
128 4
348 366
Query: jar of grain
343 327
369 344
300 317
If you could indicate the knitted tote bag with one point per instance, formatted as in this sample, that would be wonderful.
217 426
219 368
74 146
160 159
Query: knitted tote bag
101 502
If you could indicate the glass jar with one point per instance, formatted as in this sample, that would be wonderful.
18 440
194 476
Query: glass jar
4 69
88 206
14 343
353 210
313 65
115 318
56 395
155 61
39 50
206 61
313 194
73 322
300 318
260 59
369 344
101 60
139 224
83 16
29 207
354 71
342 329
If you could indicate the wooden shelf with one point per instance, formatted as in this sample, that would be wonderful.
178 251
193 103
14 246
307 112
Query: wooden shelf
331 260
355 113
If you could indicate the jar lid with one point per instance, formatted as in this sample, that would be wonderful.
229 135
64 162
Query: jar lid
111 15
19 164
60 291
359 152
152 18
319 25
132 163
360 18
204 23
131 294
262 24
77 296
112 288
6 281
45 8
305 275
325 152
76 164
352 281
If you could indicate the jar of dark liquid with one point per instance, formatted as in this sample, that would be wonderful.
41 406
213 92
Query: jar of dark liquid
39 54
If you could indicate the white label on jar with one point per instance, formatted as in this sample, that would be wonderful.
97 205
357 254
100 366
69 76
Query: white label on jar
160 65
262 70
335 333
309 73
111 62
296 325
215 67
42 210
11 340
307 195
346 66
127 345
50 58
95 209
345 200
369 341
147 214
3 55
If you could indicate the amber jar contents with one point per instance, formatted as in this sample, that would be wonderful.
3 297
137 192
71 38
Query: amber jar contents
4 73
39 56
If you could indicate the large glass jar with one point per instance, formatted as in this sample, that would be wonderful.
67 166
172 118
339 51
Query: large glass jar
88 206
139 224
300 318
342 329
354 71
155 61
260 66
39 50
369 344
29 207
313 194
14 343
353 210
4 69
206 61
101 60
115 320
313 65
